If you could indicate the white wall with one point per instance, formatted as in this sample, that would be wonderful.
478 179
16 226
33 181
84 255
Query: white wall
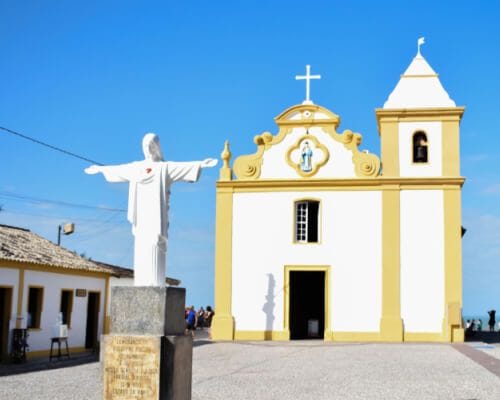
10 277
263 229
53 283
422 260
433 131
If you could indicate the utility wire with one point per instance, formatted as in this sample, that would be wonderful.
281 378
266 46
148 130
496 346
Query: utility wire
14 196
61 218
69 153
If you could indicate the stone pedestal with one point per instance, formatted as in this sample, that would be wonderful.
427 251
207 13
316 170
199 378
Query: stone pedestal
146 355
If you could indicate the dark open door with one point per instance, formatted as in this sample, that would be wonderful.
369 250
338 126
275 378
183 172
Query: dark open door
5 316
307 304
92 320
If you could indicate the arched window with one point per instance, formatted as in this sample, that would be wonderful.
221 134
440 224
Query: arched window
306 221
420 147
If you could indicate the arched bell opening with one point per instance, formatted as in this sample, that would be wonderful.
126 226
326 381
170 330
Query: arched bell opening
420 148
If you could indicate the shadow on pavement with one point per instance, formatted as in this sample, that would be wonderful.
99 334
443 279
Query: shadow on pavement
201 342
43 363
483 336
201 338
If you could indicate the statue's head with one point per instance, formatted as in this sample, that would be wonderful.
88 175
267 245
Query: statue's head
151 147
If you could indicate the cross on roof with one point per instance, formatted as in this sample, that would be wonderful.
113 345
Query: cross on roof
307 77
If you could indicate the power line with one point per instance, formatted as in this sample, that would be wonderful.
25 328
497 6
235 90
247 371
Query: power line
69 153
14 196
62 218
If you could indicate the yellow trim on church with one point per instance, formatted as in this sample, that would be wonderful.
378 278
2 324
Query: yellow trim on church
391 324
379 183
223 321
248 168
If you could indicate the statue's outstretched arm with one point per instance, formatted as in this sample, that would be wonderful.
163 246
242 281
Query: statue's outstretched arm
112 173
209 162
188 171
93 169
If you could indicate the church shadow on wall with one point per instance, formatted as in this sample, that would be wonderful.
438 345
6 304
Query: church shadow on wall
268 307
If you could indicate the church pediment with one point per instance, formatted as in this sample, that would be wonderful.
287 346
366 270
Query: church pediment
307 115
307 146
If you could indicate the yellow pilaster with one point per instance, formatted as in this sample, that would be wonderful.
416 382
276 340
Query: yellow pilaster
451 148
223 322
452 325
391 325
389 146
20 294
106 320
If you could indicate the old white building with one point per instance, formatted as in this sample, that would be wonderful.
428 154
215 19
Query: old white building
39 279
316 238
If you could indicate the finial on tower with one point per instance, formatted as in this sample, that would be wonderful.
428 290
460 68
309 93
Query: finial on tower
226 154
307 77
225 172
420 42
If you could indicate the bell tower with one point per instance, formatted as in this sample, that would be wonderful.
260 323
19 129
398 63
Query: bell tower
421 228
419 126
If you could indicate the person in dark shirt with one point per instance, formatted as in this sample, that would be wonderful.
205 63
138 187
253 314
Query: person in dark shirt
491 321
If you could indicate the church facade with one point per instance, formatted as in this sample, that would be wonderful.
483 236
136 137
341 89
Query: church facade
316 238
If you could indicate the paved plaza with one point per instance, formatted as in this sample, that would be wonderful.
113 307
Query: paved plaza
299 370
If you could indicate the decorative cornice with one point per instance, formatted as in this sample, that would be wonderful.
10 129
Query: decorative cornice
307 116
418 114
248 167
378 183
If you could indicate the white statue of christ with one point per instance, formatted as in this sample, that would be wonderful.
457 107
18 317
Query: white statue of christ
148 204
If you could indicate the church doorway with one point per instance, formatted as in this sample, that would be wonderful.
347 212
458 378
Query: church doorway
5 316
307 304
92 320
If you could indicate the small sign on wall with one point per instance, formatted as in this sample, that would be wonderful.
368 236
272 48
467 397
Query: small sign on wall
81 292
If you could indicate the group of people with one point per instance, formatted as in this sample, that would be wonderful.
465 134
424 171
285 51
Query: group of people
476 325
198 319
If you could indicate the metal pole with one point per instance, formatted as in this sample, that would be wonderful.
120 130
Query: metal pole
59 235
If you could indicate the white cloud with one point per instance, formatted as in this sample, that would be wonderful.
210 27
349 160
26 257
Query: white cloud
474 158
493 189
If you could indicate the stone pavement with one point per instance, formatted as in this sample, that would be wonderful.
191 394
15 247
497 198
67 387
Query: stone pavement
318 370
296 370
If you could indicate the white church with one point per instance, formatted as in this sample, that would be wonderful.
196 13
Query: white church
316 238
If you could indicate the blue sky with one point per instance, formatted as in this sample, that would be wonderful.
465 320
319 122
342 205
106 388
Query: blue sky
93 77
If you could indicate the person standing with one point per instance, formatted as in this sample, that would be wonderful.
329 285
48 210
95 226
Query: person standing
209 314
191 321
492 321
200 323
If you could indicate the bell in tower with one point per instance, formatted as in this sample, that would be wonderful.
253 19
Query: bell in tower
420 148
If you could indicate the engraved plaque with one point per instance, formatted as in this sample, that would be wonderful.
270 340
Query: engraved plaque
131 367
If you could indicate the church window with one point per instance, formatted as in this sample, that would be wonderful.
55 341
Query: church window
306 221
35 302
66 306
420 147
